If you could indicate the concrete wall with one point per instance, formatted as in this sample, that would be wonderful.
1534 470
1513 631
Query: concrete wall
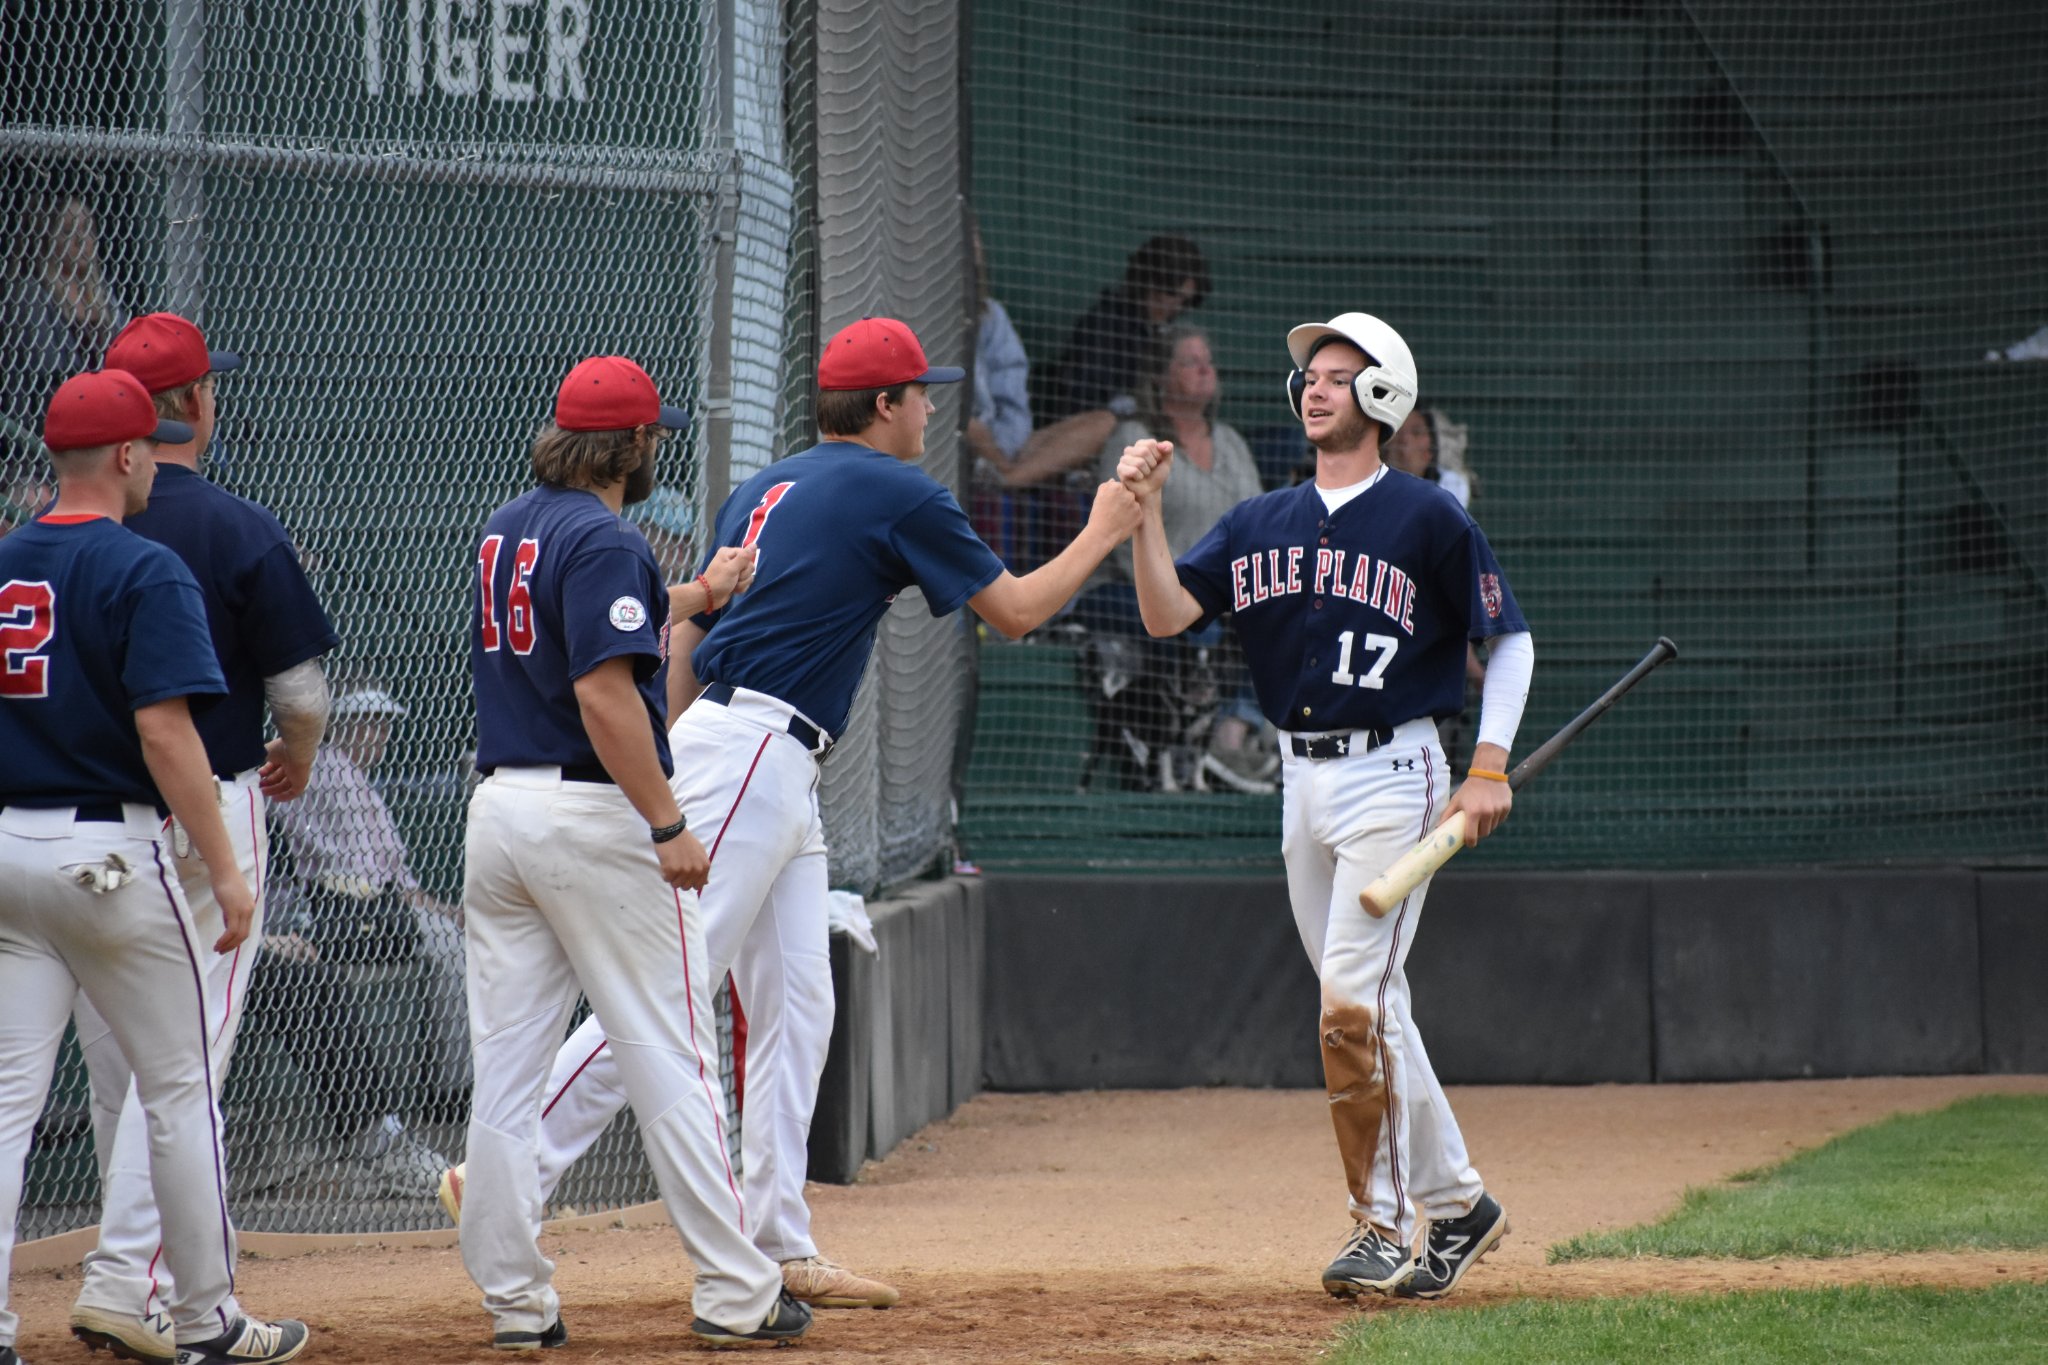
1065 983
1532 979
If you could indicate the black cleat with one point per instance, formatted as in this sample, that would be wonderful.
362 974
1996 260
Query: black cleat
787 1321
1371 1262
248 1341
1453 1247
557 1334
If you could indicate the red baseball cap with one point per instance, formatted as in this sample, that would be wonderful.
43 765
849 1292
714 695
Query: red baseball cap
164 351
611 393
879 353
104 408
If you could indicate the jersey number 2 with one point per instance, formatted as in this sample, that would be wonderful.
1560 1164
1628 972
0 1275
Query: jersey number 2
28 620
518 598
1375 677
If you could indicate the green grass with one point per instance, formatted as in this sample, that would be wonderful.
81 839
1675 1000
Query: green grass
1971 1176
1859 1323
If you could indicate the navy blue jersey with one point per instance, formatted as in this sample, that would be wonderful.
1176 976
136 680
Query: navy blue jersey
259 606
562 584
1358 618
95 622
841 529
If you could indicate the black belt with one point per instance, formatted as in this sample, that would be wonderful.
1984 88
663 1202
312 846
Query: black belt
575 772
92 812
805 733
1338 746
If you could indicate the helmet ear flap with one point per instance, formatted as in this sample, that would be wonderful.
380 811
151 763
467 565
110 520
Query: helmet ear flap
1297 385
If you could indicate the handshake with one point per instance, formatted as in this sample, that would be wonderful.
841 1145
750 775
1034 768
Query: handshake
1120 503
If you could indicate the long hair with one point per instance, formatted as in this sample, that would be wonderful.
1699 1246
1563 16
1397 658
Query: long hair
59 250
1150 391
588 459
1163 262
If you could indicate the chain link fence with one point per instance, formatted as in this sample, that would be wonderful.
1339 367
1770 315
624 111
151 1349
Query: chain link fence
1731 317
411 217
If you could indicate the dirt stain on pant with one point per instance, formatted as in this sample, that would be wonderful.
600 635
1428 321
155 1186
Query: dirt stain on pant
1357 1089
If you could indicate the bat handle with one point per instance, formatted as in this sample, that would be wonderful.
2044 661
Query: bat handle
1414 867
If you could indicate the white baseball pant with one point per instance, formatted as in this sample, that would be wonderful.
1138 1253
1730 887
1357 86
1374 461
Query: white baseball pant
125 1273
750 790
561 888
1343 821
136 955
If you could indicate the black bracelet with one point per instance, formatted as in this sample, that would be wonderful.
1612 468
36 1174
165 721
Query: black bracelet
667 832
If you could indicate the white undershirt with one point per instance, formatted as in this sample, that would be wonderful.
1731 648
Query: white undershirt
1510 663
1333 498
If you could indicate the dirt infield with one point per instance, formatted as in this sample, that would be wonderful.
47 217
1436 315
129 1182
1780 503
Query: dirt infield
1122 1227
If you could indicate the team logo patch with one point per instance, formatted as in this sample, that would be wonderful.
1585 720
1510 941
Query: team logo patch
628 613
1489 593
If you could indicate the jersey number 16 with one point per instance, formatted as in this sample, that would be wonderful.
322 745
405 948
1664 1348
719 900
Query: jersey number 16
518 598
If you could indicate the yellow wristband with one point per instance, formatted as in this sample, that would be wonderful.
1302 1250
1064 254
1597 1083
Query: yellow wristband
1482 772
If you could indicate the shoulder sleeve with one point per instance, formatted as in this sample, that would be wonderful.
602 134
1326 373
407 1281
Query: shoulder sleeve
612 604
942 554
283 624
1470 578
169 648
1205 569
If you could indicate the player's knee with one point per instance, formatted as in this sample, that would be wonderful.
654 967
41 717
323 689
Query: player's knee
1349 1034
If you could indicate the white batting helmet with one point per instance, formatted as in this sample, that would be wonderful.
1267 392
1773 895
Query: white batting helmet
1386 387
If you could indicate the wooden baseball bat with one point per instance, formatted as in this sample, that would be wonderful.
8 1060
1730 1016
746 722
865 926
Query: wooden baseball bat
1392 886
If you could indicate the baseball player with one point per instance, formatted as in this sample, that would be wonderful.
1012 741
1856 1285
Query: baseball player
840 529
103 642
1354 597
269 634
581 869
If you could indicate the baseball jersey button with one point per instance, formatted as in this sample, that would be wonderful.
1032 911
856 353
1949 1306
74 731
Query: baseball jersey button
1306 711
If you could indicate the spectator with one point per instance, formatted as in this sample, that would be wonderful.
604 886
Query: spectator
1000 423
1176 400
57 317
1431 446
1109 345
669 522
2033 346
1001 420
351 914
1093 386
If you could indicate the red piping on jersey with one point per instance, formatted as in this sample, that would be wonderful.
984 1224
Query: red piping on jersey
717 1117
1393 956
71 518
227 1007
739 1018
602 1044
739 1037
227 1236
746 782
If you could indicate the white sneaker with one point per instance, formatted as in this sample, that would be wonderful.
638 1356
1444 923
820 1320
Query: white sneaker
144 1338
